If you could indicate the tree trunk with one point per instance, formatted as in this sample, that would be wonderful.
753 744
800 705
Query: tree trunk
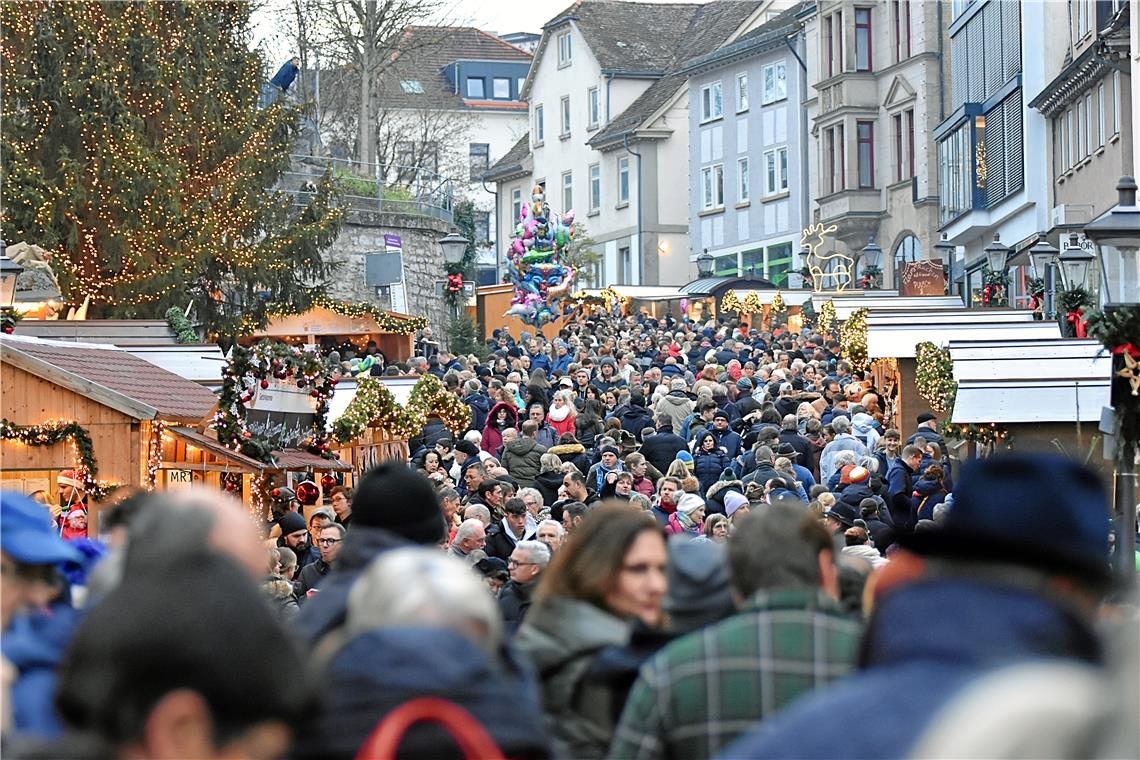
366 126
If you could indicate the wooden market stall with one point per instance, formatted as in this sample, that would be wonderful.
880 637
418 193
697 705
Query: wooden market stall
1046 394
60 395
334 323
491 305
891 341
848 301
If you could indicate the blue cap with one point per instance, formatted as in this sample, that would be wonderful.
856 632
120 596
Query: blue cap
685 457
27 534
1039 510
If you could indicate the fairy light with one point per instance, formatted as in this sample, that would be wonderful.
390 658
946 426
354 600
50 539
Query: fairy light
79 443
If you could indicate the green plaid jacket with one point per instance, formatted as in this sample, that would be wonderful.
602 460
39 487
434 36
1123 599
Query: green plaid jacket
704 690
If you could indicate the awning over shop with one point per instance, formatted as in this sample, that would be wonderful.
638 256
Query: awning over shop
289 459
883 301
898 341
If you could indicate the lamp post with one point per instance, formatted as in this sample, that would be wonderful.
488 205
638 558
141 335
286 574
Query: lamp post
997 253
454 247
1116 235
872 257
9 271
1044 259
946 251
1075 263
705 264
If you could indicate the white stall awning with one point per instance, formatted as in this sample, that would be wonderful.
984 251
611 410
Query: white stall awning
846 306
201 363
899 341
1017 401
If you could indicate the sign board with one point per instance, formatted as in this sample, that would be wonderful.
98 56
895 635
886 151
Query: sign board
177 479
394 244
282 412
468 288
923 278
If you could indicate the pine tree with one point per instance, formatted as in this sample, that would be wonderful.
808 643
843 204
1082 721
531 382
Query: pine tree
134 150
730 302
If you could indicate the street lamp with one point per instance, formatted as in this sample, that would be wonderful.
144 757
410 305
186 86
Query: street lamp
705 264
9 271
946 251
997 253
1075 263
1116 235
872 258
1044 259
454 247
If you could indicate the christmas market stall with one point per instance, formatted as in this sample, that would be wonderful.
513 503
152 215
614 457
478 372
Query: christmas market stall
88 408
847 302
1029 395
888 344
333 325
383 417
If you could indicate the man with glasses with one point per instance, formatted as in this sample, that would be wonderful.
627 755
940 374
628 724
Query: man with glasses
329 545
526 563
545 435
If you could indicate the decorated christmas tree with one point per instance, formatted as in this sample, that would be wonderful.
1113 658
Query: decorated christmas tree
730 302
134 150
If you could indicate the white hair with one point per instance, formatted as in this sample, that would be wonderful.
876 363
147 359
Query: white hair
445 594
844 458
474 436
536 552
467 528
537 494
554 524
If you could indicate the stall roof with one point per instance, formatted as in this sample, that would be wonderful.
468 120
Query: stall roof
1037 349
846 305
1020 401
949 316
898 341
118 332
791 297
289 459
110 376
200 363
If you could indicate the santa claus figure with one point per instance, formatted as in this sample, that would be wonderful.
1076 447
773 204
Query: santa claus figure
73 504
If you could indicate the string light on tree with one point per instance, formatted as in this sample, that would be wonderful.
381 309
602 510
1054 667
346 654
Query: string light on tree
853 339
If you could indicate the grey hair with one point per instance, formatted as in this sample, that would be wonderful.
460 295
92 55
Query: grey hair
446 594
549 463
525 492
556 524
641 500
841 425
536 552
477 511
871 463
844 458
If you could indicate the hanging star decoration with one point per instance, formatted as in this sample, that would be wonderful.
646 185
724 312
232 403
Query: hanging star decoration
1131 372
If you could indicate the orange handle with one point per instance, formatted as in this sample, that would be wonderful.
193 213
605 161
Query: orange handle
473 740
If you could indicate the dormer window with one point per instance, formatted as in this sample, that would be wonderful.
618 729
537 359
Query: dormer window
564 49
412 86
475 87
501 88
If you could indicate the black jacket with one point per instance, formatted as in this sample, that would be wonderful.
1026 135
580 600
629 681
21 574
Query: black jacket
802 446
501 544
480 406
661 448
634 419
514 601
312 575
548 484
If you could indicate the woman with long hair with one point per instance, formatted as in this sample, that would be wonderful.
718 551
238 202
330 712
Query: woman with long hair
501 417
605 581
588 424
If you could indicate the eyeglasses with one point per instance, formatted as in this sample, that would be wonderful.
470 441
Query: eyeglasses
328 541
516 563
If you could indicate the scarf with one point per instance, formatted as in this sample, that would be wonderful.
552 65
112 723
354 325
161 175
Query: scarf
558 415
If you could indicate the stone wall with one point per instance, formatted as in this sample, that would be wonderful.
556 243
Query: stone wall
363 233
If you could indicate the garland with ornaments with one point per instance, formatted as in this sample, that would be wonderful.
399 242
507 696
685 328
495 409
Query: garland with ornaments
1118 330
779 306
58 431
853 339
934 377
375 406
827 316
994 288
250 369
9 318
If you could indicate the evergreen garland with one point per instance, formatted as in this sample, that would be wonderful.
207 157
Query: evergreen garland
934 376
827 316
853 339
58 431
181 326
375 406
9 318
1118 329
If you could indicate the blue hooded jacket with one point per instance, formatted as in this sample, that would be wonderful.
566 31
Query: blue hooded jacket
35 644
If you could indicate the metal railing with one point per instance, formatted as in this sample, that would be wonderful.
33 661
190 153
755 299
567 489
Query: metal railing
373 187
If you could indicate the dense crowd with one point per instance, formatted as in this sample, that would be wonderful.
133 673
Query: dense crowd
655 539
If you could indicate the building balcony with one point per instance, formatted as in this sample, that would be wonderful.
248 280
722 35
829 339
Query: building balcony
855 213
849 90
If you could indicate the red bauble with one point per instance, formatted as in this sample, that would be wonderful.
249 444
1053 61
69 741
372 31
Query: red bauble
328 482
301 383
264 384
9 330
314 393
276 492
332 381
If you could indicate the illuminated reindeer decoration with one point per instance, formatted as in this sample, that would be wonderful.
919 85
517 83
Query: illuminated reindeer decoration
834 265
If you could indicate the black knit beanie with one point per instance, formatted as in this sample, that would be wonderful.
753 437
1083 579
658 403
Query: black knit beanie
398 499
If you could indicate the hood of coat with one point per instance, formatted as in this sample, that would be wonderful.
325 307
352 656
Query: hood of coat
724 485
677 398
862 423
567 449
512 414
560 629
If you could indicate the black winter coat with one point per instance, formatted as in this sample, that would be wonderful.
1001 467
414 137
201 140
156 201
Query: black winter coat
480 406
661 448
514 601
708 466
548 484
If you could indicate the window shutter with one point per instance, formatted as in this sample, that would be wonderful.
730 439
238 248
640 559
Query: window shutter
994 33
959 75
977 69
995 156
1014 149
1010 38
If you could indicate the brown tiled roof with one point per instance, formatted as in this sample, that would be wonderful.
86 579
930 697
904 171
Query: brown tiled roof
427 51
511 163
706 28
122 373
299 459
629 36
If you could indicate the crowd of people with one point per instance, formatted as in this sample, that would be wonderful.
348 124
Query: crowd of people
656 539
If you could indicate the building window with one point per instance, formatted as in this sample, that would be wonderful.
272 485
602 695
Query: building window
567 191
564 49
516 203
910 143
742 92
711 105
836 159
779 263
501 88
594 101
712 183
775 82
539 132
412 86
775 170
1116 102
903 124
955 174
1003 170
474 87
1082 132
1089 121
565 110
595 172
900 21
862 39
742 177
908 251
833 27
1072 138
1100 115
625 257
623 180
865 139
1059 153
480 159
727 265
520 83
